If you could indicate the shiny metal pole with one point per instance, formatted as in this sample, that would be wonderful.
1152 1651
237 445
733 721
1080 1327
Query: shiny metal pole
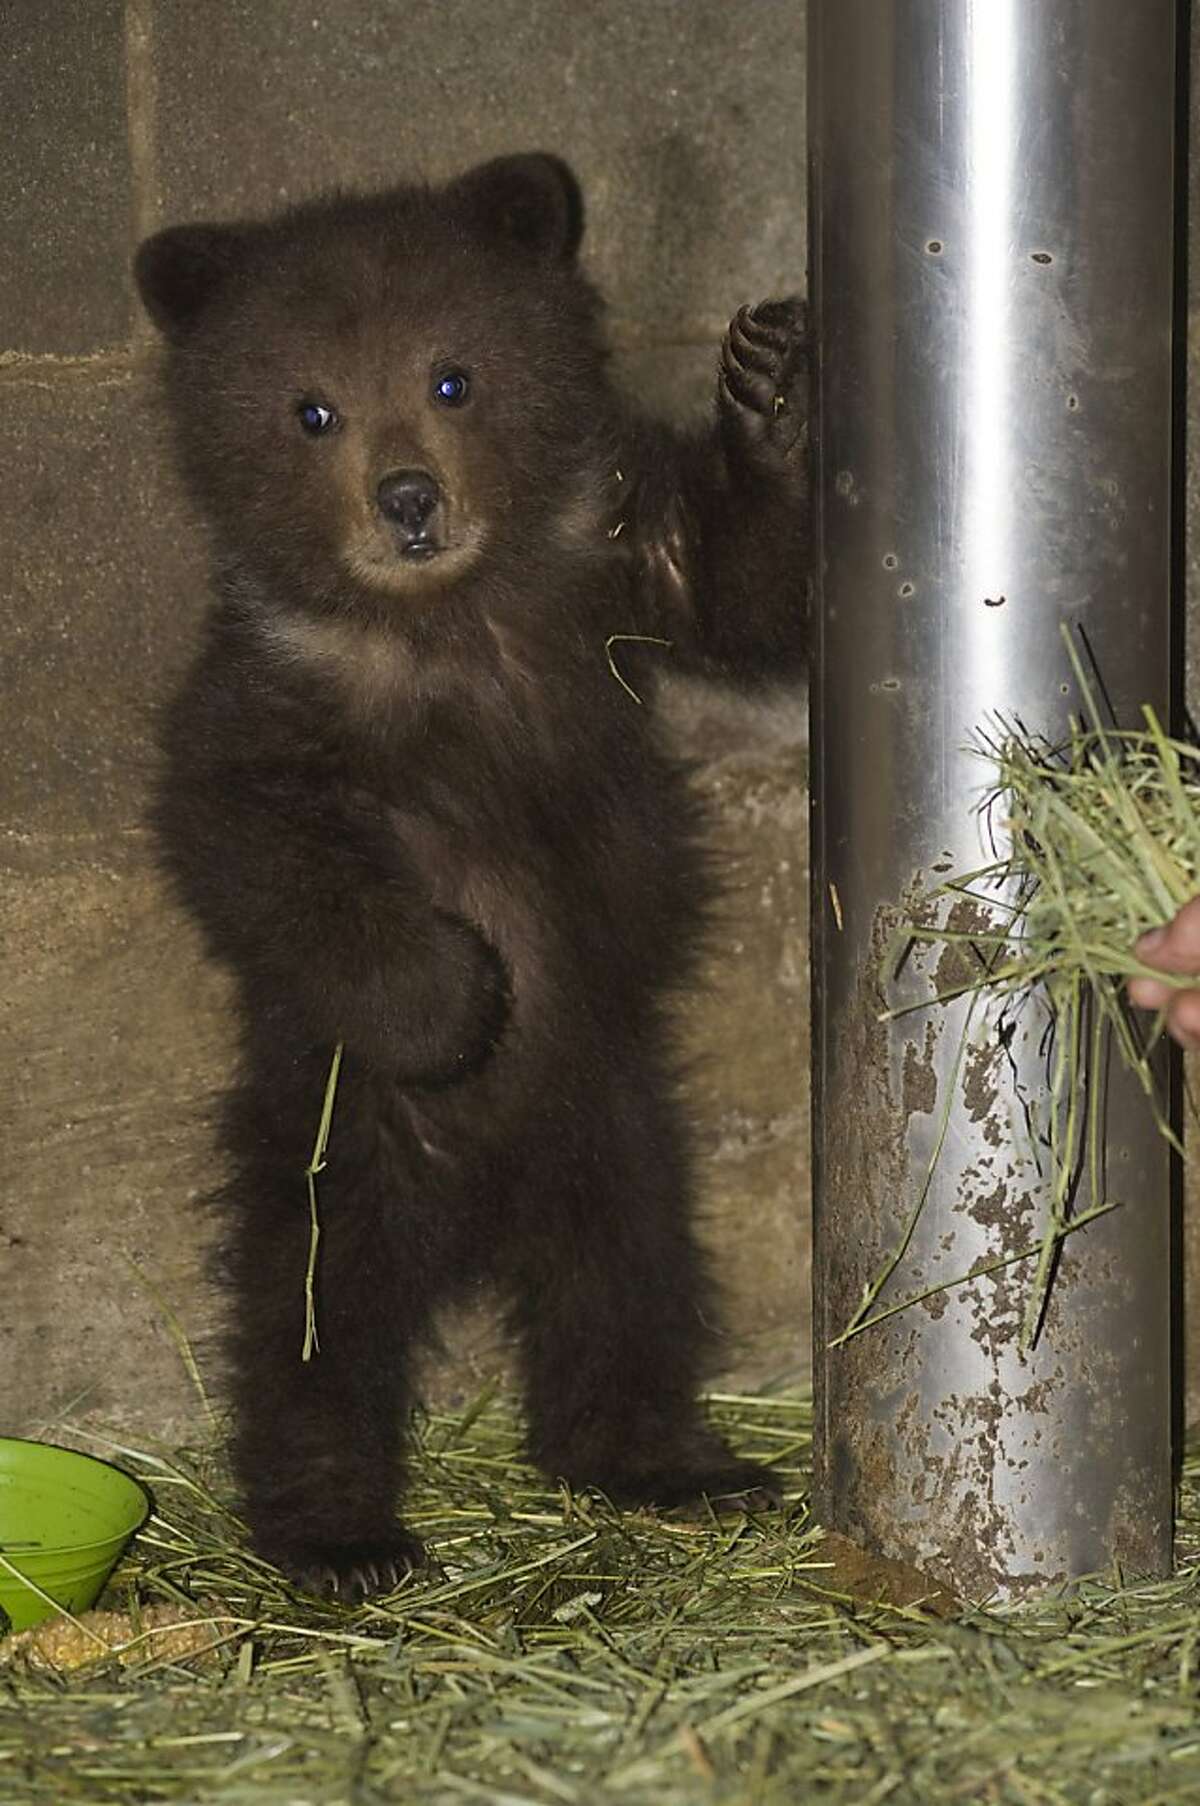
991 282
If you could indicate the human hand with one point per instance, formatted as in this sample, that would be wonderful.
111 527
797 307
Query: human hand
1175 947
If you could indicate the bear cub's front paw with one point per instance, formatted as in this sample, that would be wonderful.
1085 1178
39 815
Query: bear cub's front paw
461 1016
763 387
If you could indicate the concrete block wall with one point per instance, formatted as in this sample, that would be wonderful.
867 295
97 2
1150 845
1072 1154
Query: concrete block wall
685 121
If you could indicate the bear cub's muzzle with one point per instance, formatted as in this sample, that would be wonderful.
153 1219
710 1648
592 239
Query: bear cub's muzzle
409 501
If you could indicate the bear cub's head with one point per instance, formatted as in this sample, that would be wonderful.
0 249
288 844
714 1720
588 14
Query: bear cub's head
374 395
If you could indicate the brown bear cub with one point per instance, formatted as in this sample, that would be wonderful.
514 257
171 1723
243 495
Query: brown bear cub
414 796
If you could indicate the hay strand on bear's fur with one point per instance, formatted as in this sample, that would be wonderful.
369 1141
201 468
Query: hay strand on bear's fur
639 639
316 1165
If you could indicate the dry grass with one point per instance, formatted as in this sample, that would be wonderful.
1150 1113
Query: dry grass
573 1654
1098 840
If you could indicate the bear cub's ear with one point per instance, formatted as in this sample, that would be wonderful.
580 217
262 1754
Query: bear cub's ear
180 271
532 201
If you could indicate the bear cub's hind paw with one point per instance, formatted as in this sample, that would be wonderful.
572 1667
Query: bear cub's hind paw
353 1571
763 384
726 1486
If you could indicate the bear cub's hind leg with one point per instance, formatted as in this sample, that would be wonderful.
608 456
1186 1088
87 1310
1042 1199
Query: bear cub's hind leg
318 1444
615 1311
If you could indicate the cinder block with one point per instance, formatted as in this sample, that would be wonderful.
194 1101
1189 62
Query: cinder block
685 121
101 594
672 382
746 1036
65 197
116 1036
754 1221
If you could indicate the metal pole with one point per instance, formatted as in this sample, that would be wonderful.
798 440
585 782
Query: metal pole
992 281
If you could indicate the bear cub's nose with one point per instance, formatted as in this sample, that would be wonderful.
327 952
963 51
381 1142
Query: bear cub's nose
407 499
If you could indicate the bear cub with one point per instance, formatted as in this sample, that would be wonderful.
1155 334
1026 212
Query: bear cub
414 794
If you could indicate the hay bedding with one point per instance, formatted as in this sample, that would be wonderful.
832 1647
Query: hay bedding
568 1653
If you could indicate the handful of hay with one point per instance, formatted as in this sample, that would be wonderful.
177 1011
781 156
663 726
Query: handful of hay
1102 839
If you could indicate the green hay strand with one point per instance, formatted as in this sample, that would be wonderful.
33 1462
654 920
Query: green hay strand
178 1337
639 639
312 1344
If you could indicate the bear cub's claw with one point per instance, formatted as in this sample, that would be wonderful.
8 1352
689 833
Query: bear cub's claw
763 379
354 1571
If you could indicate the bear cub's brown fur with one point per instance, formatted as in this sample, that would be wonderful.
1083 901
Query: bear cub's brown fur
415 795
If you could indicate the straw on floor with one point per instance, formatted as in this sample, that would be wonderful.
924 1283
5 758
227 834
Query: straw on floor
572 1654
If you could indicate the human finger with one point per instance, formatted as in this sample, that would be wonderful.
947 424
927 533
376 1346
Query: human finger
1175 947
1183 1019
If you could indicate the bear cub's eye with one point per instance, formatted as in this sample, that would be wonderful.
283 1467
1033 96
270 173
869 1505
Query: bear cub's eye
451 388
314 418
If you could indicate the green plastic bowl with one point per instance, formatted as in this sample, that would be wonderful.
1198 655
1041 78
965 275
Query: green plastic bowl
64 1521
